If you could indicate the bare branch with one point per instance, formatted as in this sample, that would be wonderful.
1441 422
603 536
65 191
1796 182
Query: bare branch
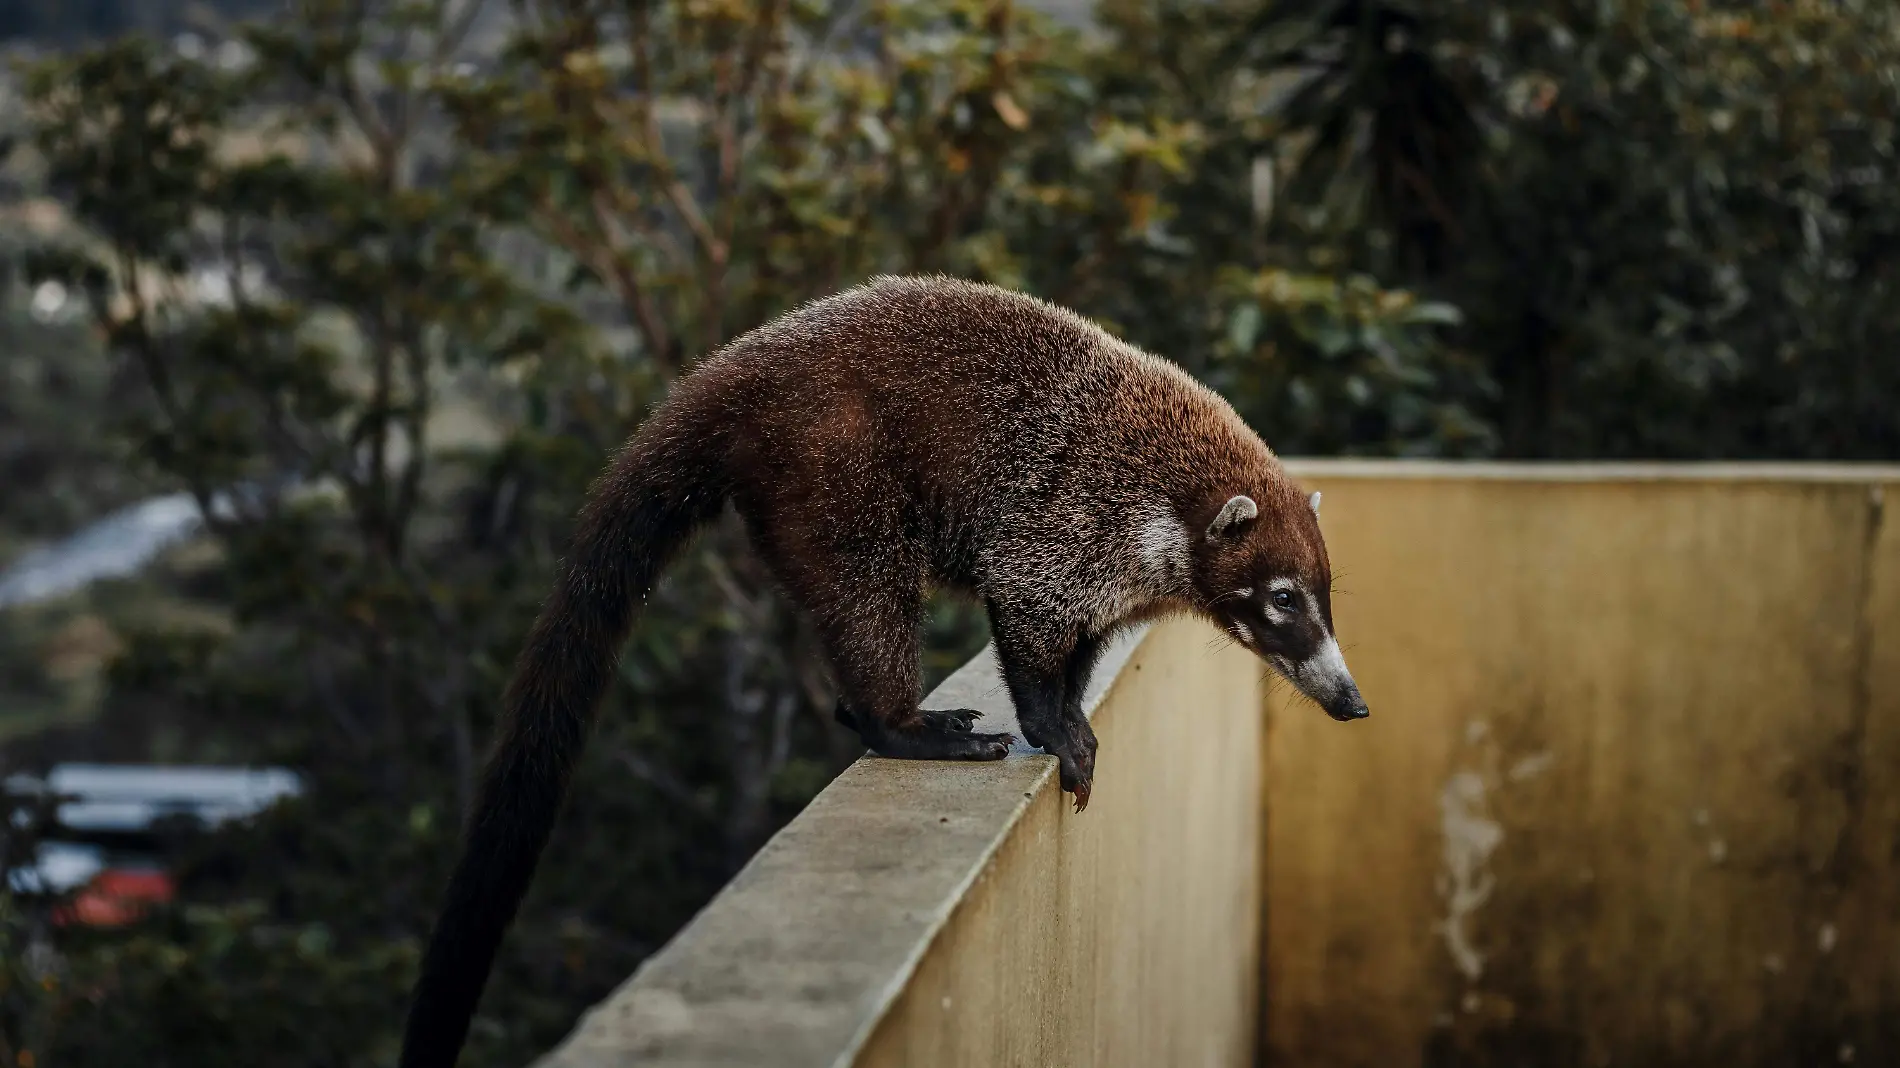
610 264
452 29
356 99
669 785
780 748
143 345
415 427
639 32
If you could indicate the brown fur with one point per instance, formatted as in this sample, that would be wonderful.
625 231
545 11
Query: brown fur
909 432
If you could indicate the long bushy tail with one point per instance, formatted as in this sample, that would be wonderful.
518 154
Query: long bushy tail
666 482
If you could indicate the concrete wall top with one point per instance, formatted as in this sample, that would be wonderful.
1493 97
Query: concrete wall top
798 959
1540 471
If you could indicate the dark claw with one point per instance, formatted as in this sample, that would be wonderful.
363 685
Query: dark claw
972 746
985 747
951 719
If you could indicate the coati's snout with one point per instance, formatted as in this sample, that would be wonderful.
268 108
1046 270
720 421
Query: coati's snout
1286 632
1345 704
1274 596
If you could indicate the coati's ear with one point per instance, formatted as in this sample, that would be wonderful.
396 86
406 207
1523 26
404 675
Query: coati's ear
1236 511
1313 501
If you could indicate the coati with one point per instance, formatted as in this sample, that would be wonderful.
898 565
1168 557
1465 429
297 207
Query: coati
910 431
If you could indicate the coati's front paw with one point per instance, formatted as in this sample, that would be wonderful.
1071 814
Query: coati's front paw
1073 745
1083 734
940 734
1077 765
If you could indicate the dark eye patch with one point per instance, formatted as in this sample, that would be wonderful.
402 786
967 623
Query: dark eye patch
1282 599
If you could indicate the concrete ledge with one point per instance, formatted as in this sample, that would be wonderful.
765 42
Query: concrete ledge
1538 471
801 960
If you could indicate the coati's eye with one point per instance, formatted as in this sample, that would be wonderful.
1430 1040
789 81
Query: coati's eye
1283 599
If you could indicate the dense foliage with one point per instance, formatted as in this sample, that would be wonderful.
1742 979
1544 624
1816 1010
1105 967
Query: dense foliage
1670 226
66 22
385 293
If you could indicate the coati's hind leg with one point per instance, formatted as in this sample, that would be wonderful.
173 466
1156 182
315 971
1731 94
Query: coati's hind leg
872 644
868 610
828 518
1037 660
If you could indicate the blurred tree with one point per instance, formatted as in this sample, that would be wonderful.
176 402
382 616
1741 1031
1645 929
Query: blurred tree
269 257
69 21
31 1000
1670 227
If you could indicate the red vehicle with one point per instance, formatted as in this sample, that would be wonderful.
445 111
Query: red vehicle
115 897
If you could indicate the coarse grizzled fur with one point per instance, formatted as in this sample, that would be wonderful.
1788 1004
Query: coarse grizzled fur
907 432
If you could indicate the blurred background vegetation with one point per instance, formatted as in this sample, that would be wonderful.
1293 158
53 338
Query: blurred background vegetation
377 285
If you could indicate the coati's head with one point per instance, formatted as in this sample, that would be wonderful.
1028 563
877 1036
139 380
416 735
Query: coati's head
1261 574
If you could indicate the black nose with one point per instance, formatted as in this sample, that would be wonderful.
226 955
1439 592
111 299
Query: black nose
1349 713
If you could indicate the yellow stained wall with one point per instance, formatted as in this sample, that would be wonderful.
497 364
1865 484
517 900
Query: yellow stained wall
1126 936
1628 792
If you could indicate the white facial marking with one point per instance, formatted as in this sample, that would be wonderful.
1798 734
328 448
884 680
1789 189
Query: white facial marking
1240 631
1277 615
